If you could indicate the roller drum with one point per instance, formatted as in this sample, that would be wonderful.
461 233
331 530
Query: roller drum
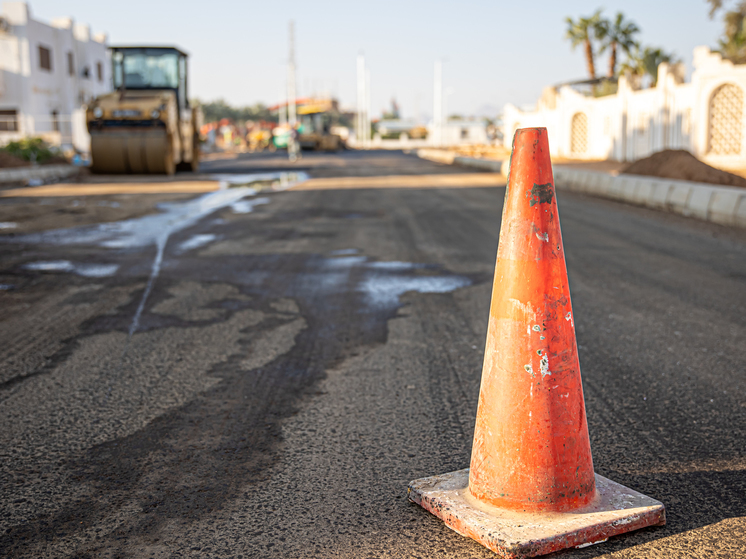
131 152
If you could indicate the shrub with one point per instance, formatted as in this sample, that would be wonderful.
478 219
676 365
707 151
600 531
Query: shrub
30 149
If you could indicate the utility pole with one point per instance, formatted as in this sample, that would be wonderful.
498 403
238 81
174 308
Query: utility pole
283 112
363 102
291 76
444 128
438 104
367 107
292 118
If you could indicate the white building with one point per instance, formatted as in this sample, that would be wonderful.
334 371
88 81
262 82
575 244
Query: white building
48 72
705 116
460 132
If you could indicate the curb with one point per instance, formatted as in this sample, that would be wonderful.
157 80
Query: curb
437 155
725 205
450 158
491 165
47 172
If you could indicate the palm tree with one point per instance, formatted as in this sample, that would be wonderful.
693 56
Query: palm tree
614 34
641 61
583 32
733 42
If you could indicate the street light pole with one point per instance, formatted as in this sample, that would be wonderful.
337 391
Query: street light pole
292 146
291 76
438 104
283 112
444 128
367 108
360 120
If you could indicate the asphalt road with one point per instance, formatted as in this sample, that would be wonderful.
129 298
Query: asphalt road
261 376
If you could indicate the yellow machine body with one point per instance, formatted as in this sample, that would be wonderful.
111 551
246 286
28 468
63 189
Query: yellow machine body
145 129
317 116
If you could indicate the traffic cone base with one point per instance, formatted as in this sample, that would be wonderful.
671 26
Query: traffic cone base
512 534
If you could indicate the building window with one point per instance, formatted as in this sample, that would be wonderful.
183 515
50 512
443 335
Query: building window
45 58
100 71
726 120
55 121
579 133
70 64
86 73
9 121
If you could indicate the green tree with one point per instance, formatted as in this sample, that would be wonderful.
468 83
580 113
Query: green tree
732 45
642 61
219 109
584 31
615 34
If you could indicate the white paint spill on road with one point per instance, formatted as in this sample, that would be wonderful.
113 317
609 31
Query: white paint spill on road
385 290
264 181
196 241
344 252
383 282
96 270
154 271
87 270
51 266
247 206
143 231
345 261
176 217
393 266
157 228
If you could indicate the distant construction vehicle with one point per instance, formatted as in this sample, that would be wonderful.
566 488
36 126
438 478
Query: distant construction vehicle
146 125
317 118
318 122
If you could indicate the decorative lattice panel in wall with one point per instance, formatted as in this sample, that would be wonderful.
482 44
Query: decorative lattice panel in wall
726 120
579 133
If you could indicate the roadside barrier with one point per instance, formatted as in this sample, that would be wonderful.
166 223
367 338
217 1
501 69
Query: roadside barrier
492 165
719 204
450 158
531 488
725 205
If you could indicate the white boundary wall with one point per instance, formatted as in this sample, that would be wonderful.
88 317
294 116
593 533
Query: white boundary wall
634 123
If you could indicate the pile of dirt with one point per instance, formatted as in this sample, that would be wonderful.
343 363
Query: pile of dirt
8 160
682 165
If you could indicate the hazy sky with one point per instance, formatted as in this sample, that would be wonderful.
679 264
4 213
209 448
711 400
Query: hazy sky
495 52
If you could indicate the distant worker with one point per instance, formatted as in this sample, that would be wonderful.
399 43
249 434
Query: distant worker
293 144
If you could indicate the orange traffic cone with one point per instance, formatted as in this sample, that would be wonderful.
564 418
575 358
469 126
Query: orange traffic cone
531 488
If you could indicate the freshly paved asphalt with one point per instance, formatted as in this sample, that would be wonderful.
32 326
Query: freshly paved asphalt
292 374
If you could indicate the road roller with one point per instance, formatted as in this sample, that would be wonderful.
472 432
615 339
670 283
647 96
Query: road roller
146 124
